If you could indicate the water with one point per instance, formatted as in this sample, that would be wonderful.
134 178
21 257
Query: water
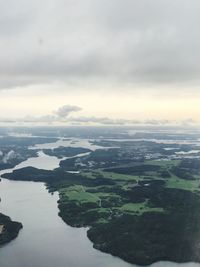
157 141
75 142
45 240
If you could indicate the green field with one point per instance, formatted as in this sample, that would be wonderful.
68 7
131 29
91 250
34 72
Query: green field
139 208
175 182
125 195
77 193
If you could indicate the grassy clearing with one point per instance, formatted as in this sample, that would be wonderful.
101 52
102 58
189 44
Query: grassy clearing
175 182
77 193
172 182
139 208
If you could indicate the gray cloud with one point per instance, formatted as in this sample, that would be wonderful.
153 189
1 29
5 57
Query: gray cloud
65 110
157 122
110 121
60 115
120 41
83 120
102 120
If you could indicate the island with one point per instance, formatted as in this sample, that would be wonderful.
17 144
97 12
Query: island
8 229
62 152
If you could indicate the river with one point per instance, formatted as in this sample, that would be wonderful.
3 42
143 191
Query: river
45 240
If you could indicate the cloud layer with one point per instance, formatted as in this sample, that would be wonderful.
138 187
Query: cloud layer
129 42
62 117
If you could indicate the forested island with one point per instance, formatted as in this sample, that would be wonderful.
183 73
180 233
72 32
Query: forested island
8 229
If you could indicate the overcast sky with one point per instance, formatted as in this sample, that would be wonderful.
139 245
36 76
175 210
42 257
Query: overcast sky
113 61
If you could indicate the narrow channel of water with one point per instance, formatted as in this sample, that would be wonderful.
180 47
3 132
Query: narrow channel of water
45 240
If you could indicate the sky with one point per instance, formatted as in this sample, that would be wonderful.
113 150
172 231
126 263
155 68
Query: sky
100 62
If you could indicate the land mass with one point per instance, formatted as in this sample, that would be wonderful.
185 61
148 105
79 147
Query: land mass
14 150
140 199
8 229
142 212
62 152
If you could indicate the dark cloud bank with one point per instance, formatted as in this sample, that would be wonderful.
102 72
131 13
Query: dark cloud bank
116 41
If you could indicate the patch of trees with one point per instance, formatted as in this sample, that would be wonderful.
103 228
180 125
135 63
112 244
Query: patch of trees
55 178
151 237
61 151
10 229
135 170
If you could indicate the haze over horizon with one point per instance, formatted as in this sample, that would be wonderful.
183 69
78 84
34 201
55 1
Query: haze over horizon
98 62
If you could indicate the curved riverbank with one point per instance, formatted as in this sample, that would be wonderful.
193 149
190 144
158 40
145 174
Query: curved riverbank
46 240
